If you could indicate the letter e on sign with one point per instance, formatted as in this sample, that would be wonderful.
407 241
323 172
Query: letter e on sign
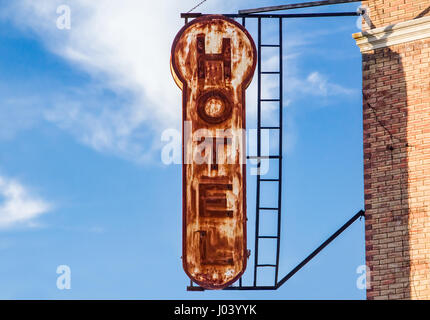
213 60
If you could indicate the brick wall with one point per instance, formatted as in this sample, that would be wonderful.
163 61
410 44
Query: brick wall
396 128
386 12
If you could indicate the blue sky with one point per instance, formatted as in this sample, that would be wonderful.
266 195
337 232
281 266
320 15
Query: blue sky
81 180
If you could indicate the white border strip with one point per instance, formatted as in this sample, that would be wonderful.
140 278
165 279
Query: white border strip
393 34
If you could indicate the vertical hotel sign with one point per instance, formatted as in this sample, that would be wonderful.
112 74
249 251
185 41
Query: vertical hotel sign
213 60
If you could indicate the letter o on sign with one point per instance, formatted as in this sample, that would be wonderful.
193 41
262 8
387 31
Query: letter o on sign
214 107
213 61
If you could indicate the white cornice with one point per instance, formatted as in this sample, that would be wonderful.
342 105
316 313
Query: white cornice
394 34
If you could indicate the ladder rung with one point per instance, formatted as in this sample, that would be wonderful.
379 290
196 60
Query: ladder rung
263 157
266 208
270 100
271 128
268 237
274 180
270 72
266 265
270 45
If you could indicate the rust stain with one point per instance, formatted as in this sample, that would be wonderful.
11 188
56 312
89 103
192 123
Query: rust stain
213 60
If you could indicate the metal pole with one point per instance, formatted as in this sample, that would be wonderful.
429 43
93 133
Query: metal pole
257 207
278 243
240 279
295 6
276 16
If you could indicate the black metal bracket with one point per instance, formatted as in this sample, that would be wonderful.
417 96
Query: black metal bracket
191 15
358 215
261 181
296 6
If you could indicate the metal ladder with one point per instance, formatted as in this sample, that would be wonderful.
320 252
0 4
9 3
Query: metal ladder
261 181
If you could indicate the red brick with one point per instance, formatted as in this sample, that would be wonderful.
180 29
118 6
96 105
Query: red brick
396 150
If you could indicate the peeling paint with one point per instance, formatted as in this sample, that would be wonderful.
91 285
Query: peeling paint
213 60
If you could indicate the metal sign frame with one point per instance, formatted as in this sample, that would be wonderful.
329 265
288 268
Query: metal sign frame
260 210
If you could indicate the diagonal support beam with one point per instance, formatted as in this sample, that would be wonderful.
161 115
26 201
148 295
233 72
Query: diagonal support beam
296 6
321 247
358 215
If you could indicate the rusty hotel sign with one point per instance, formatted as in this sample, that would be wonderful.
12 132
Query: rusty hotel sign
213 60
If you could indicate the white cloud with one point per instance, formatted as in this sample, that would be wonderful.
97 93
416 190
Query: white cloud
125 47
17 205
318 84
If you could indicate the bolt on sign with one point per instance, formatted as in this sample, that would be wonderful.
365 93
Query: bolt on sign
213 60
